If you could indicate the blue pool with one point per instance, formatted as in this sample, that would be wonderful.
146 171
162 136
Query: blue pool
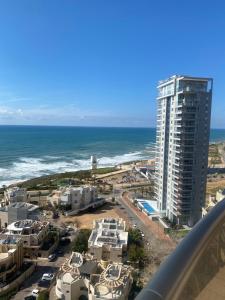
147 207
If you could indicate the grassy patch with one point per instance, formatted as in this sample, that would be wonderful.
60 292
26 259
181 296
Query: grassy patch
214 155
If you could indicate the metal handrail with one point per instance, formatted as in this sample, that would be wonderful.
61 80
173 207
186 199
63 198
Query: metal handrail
173 275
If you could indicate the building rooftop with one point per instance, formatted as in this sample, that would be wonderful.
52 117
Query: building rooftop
108 231
20 205
78 265
171 78
111 282
19 226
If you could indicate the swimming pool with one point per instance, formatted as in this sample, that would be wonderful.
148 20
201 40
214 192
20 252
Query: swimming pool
147 207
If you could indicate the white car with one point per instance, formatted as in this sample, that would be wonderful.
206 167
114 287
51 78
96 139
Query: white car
47 276
35 293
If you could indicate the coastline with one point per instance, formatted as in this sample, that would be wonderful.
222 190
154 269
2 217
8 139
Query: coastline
126 164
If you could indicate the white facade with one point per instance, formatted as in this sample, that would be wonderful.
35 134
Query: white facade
15 194
32 232
18 211
108 240
183 126
78 198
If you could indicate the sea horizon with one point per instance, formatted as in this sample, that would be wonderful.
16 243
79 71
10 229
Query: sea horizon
29 151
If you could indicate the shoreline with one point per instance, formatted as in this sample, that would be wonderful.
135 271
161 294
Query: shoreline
124 164
122 167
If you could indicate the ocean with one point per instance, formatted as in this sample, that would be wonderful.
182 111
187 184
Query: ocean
32 151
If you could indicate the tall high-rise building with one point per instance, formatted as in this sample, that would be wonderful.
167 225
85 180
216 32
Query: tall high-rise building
183 127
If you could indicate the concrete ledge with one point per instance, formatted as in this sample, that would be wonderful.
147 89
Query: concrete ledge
7 291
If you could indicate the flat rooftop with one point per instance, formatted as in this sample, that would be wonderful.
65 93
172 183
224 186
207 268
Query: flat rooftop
108 232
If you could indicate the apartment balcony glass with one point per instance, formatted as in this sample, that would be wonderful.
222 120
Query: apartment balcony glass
198 264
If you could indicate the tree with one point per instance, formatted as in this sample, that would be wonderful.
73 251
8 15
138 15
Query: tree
136 253
80 243
134 236
44 295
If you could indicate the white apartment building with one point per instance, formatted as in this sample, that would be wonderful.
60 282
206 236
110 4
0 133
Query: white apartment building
78 198
108 240
183 127
82 277
15 194
18 211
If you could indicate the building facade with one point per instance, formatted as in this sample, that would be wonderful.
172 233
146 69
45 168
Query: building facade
15 194
82 277
18 211
32 233
11 257
108 240
183 127
76 199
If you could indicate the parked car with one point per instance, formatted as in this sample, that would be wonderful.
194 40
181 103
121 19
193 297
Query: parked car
35 293
52 257
47 276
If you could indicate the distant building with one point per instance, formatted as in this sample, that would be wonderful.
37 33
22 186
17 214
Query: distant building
183 126
76 199
11 257
18 211
81 277
32 233
94 162
108 240
15 194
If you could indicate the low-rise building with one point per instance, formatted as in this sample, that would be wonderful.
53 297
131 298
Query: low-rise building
82 277
16 211
15 194
76 199
108 240
74 277
11 257
33 234
113 283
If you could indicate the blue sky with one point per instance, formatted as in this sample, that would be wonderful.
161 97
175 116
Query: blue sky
97 62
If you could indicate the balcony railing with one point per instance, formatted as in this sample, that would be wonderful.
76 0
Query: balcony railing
196 269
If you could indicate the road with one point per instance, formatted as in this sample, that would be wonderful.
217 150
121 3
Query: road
43 266
135 220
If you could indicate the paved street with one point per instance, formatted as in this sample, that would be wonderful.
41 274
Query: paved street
43 266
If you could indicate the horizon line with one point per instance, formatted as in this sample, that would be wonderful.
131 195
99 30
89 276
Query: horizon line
86 126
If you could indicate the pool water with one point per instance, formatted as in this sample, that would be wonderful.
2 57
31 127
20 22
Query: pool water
148 207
